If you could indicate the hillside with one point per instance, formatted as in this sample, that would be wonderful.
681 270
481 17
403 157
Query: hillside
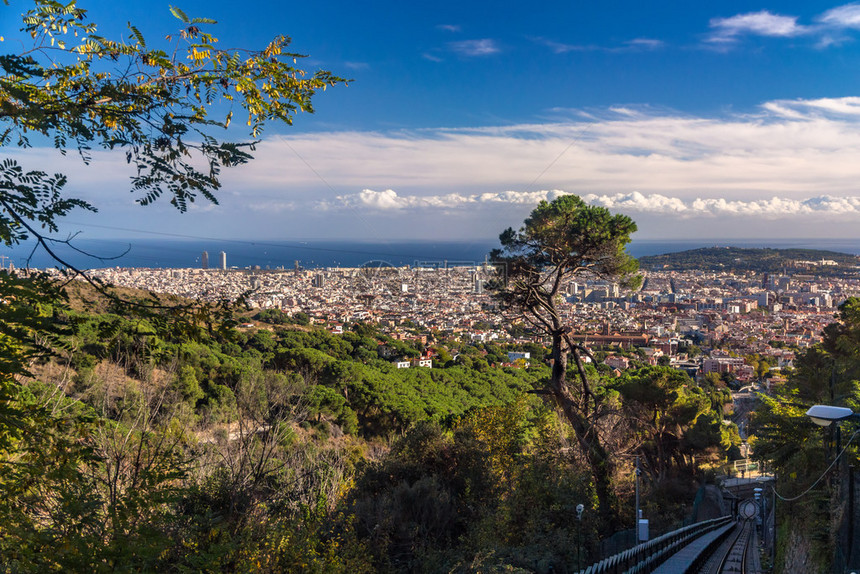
83 297
764 260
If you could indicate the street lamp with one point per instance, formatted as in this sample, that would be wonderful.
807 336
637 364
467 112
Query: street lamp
825 415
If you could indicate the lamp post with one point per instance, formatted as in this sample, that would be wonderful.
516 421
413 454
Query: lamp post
825 415
770 524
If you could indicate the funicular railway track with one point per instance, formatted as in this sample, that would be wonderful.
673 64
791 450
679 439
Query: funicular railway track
734 555
715 545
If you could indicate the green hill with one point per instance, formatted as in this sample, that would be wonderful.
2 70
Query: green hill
764 260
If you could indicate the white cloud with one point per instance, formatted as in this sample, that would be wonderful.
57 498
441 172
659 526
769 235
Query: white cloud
847 16
828 39
474 48
754 23
636 202
634 45
562 48
773 207
792 158
448 27
520 197
646 43
356 65
829 28
794 149
388 200
784 109
799 109
379 199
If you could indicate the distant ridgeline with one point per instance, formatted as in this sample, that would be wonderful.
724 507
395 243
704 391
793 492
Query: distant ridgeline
765 260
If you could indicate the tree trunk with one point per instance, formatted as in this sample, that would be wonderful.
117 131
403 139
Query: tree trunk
586 435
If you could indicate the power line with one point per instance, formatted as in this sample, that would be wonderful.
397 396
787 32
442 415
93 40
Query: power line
558 157
369 227
820 478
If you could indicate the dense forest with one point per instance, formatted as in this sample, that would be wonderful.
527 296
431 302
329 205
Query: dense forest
765 260
284 447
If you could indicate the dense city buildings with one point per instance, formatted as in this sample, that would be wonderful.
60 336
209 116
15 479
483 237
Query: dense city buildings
751 314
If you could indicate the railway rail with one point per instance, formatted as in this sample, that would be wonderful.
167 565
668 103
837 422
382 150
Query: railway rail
735 554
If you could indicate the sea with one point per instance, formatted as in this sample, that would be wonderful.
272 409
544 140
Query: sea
315 254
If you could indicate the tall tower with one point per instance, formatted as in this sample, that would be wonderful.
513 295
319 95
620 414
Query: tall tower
222 260
204 260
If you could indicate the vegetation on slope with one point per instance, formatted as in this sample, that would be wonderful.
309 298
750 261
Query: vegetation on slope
748 259
292 449
811 482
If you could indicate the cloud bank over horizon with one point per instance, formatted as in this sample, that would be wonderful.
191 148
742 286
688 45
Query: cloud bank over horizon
790 157
790 161
775 207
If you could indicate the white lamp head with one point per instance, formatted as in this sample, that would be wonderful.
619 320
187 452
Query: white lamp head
824 415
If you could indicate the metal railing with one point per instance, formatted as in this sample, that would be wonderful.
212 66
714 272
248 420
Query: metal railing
649 555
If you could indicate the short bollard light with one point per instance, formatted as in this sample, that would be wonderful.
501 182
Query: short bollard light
580 508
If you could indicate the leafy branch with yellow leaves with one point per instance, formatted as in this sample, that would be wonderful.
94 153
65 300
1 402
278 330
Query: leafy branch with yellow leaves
162 106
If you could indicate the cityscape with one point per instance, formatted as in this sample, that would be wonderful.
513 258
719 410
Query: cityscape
749 313
620 333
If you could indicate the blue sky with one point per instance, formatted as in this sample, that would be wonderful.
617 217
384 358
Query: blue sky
714 120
